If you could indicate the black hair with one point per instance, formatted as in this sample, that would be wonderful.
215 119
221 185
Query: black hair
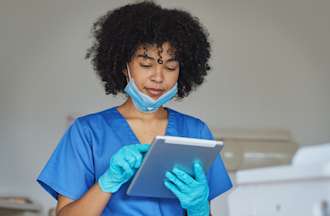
119 33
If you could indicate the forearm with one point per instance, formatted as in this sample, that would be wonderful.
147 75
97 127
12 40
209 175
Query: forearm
122 167
92 203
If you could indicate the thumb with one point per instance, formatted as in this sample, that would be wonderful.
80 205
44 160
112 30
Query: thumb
142 147
199 172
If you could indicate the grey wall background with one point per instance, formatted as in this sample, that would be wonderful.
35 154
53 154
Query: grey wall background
271 69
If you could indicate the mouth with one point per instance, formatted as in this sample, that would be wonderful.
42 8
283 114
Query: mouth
154 92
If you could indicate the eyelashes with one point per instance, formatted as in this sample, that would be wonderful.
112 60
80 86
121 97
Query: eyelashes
150 66
145 66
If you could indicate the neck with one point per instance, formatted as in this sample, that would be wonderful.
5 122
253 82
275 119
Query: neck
130 111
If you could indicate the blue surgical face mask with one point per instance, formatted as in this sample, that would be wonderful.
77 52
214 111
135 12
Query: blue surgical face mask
144 102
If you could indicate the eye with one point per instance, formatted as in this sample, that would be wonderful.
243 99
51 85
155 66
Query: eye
145 65
172 66
171 69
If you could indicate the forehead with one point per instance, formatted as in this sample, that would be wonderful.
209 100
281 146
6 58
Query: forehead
154 50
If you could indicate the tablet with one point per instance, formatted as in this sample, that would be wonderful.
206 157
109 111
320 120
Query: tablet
165 153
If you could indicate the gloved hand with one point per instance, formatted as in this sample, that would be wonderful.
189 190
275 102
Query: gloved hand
123 166
192 192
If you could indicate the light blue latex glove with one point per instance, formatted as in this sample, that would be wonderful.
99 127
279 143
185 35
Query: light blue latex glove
192 192
123 166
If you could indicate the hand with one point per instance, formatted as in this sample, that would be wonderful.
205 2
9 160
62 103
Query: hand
192 192
123 166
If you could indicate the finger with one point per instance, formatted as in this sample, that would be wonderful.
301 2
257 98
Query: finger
183 176
134 157
138 160
130 159
115 167
125 166
142 147
177 182
199 172
173 188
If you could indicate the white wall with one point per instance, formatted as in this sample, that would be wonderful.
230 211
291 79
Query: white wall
270 69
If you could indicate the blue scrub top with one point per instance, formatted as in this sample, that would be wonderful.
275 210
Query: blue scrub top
84 152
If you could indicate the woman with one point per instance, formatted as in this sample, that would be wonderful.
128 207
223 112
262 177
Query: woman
150 54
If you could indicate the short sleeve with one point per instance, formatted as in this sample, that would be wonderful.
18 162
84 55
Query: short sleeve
218 178
69 171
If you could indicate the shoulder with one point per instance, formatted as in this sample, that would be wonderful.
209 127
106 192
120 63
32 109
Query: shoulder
190 125
97 118
187 118
92 124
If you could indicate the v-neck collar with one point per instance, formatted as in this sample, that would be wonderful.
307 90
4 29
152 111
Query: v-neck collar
133 137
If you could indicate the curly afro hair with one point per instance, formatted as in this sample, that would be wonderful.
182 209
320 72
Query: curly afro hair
120 32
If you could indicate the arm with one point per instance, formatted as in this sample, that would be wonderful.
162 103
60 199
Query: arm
92 203
122 167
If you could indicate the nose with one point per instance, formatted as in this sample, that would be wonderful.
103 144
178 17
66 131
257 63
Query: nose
158 74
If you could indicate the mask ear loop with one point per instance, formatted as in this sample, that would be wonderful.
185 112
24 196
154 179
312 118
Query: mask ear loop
129 74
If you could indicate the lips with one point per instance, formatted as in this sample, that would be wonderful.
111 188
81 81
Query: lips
154 92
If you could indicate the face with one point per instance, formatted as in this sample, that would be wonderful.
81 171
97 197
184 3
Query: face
154 69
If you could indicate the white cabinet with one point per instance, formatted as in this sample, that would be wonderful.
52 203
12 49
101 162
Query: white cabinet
302 188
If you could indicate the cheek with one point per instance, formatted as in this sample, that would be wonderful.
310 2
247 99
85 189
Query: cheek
140 81
172 79
175 76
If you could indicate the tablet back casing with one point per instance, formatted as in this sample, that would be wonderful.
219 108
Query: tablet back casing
162 156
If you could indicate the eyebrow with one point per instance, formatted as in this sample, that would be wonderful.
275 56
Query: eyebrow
151 58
